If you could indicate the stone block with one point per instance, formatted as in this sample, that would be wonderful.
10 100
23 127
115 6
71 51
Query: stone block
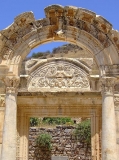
60 158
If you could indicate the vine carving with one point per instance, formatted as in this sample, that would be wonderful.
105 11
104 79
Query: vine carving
59 75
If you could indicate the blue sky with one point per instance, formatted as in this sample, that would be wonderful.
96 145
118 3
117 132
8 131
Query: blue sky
109 9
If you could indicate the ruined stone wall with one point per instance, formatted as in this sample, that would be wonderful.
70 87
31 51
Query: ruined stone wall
63 144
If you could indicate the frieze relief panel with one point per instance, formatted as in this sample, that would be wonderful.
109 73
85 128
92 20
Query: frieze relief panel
58 75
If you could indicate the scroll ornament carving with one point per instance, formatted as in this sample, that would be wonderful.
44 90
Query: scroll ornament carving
107 85
11 84
59 76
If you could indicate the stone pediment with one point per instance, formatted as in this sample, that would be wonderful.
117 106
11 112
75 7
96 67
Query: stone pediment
59 75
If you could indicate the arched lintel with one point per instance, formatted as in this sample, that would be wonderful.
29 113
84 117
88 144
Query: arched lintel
70 24
39 63
102 56
100 53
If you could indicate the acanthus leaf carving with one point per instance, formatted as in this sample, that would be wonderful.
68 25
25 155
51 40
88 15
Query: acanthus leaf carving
107 85
11 83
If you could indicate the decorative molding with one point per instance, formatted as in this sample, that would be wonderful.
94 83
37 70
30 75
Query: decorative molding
110 69
11 83
107 85
69 94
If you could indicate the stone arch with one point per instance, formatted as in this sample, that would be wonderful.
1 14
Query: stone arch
75 25
78 26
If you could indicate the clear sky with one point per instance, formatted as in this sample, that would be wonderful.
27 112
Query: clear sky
9 9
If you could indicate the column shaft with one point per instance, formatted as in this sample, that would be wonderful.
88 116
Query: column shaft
109 151
10 120
9 131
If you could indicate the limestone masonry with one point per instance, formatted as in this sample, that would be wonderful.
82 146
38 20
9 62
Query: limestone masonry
85 86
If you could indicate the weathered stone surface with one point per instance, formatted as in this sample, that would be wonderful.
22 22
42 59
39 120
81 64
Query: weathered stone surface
64 146
59 158
78 26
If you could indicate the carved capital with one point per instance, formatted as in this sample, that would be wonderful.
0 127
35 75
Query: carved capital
11 84
2 100
107 85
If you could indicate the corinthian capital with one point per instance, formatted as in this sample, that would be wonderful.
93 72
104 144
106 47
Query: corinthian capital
107 85
11 83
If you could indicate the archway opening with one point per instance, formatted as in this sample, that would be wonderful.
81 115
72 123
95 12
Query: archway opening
60 137
61 49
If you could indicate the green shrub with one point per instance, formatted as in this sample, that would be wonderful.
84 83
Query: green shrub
57 120
82 132
34 121
44 140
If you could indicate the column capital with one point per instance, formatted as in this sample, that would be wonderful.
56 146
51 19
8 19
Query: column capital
107 85
11 83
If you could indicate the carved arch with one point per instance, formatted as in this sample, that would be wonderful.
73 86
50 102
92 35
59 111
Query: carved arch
71 24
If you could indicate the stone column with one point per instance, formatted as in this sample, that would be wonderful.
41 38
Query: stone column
10 120
109 151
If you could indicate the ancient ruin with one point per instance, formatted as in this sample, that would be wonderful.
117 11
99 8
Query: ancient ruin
61 86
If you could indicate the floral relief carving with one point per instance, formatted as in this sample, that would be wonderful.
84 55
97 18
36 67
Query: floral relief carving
107 85
59 75
11 84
